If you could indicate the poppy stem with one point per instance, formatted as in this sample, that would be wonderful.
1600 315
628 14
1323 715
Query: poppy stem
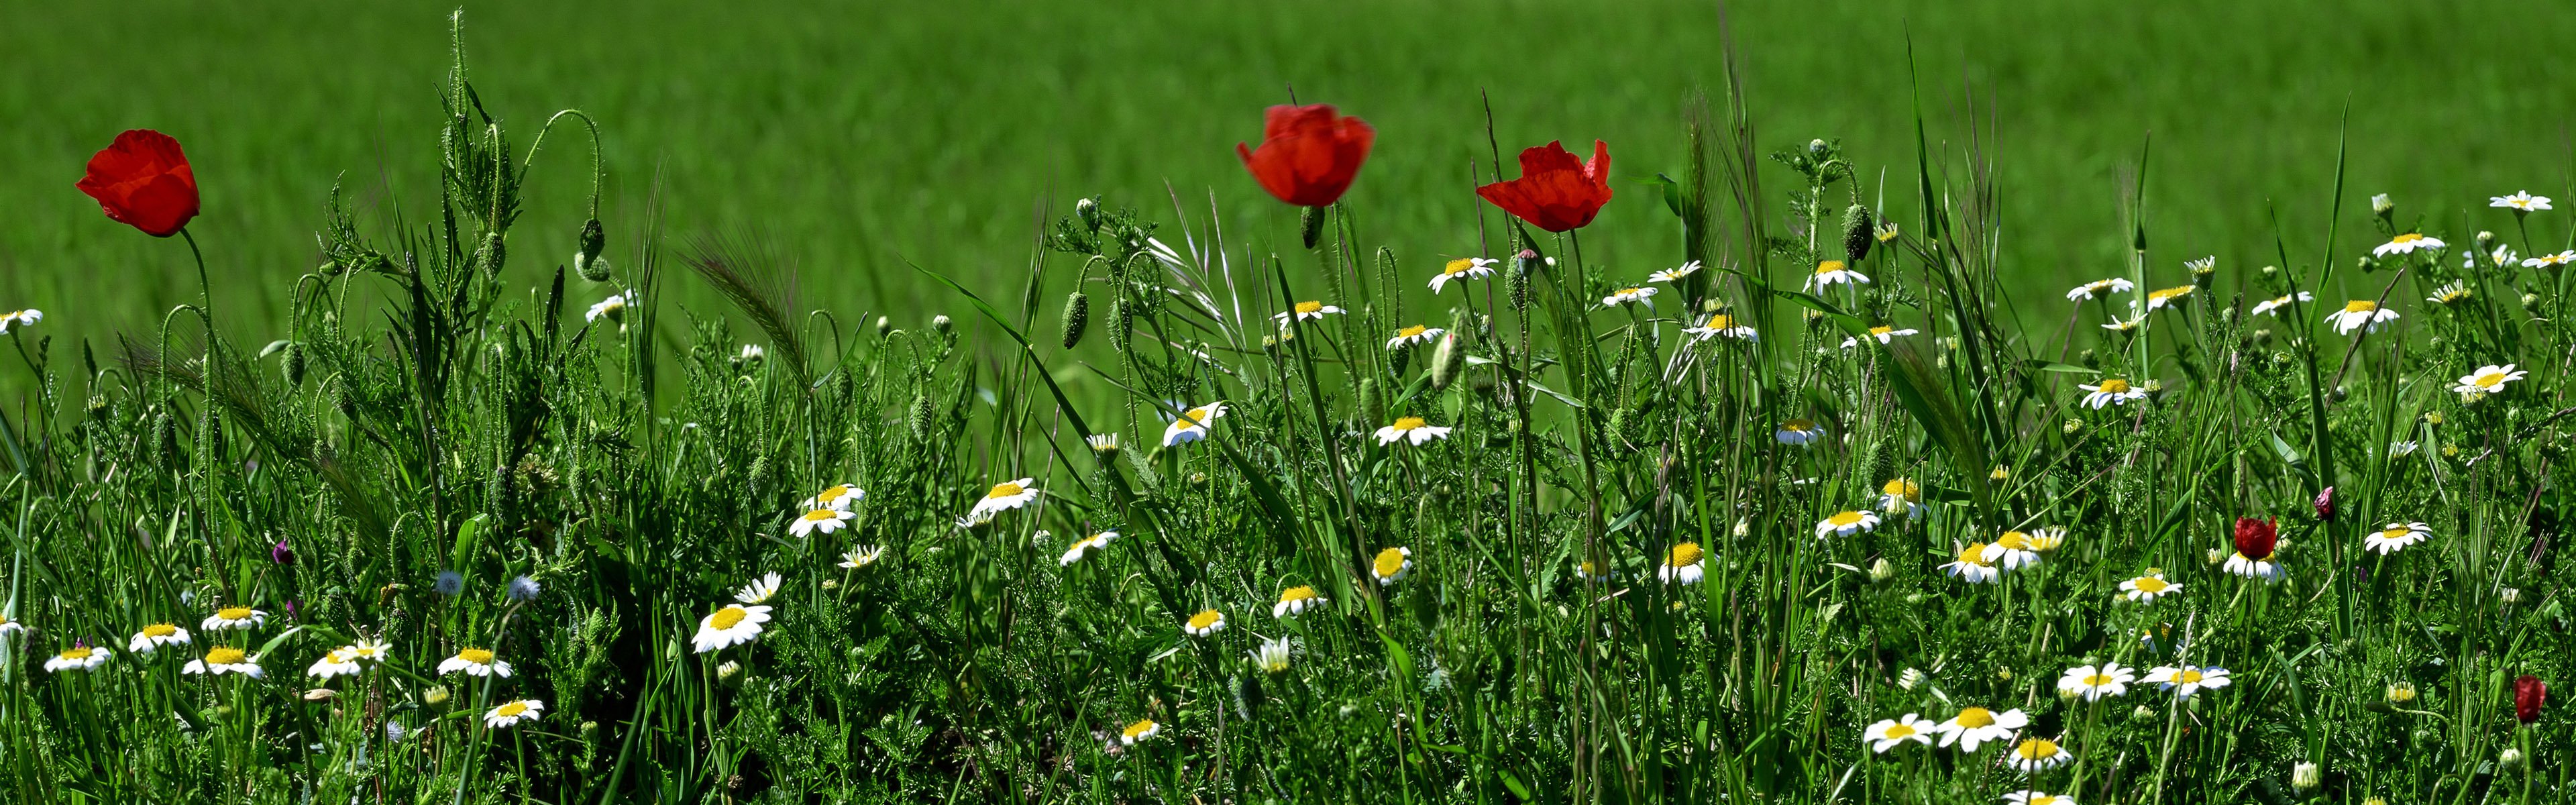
205 290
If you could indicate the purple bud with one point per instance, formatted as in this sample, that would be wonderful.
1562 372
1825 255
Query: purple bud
281 554
2325 503
1527 254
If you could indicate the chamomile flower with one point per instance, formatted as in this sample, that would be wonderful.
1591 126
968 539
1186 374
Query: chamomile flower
839 498
1004 497
366 650
336 662
2157 299
2502 257
1390 565
1307 311
2126 325
1972 565
2034 755
234 618
2406 244
2550 260
509 714
2202 265
76 658
1884 335
1683 564
1137 733
1085 546
2014 550
1833 271
1207 622
222 660
612 308
2396 536
862 556
824 520
1463 268
1416 334
9 625
2262 567
155 636
728 626
1410 430
2488 379
2148 587
2092 290
1846 523
759 590
1901 497
1886 231
2273 306
1720 324
1797 431
1643 296
2455 291
1272 657
1894 732
1193 424
1676 273
1978 725
2027 797
2110 391
2402 448
2093 683
1295 601
2187 680
19 318
475 662
2521 202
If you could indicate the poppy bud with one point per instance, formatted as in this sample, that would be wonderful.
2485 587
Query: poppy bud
2255 539
2529 693
586 261
494 253
1856 233
1312 223
921 416
2325 503
293 364
329 268
1077 314
1445 361
1372 401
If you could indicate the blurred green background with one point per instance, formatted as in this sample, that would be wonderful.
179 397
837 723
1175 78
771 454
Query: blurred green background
860 134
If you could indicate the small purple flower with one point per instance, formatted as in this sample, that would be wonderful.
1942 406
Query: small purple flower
281 554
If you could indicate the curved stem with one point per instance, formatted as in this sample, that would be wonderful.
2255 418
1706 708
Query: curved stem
598 165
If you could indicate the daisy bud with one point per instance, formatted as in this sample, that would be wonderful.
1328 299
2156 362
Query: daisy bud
2511 759
1313 224
2382 207
1743 526
1105 444
321 694
1077 314
941 323
728 670
436 695
1445 361
2509 595
1816 147
2400 693
2073 425
2324 504
884 326
1856 233
2375 801
2216 555
2003 674
1880 571
1909 679
2306 776
2486 241
1089 211
2142 713
2530 302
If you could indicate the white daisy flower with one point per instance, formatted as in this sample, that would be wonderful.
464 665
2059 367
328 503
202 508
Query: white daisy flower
731 625
2091 290
1885 335
2110 391
2406 244
511 713
2521 202
2156 299
156 636
9 625
824 520
2186 680
1138 732
475 662
1207 622
1901 497
751 352
613 307
1084 546
2254 568
2550 260
1684 564
839 498
1623 296
2094 683
340 661
2034 755
19 318
2453 292
1192 425
2027 797
1846 523
1390 565
1306 311
1416 334
375 651
234 618
2148 587
1410 430
2488 379
1894 732
1295 601
76 658
2273 307
1674 274
1972 565
1797 431
1977 725
759 591
2502 257
2402 448
1272 657
2014 550
1004 497
2126 325
1833 271
2203 265
222 660
1462 269
2396 536
861 556
1720 324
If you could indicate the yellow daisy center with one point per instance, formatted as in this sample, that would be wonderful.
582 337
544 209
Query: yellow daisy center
160 630
1721 321
1459 266
2489 380
2113 385
1797 426
1205 619
512 709
78 653
1298 593
1005 490
1844 519
2051 799
834 493
1627 292
2360 306
2409 237
1684 555
1974 554
2188 676
2097 680
728 617
2037 749
233 613
1202 414
1408 423
1138 728
822 514
2169 293
2394 532
225 655
1412 331
1310 307
1881 330
2150 584
2014 540
1829 266
1388 563
476 656
1895 731
1975 717
1904 488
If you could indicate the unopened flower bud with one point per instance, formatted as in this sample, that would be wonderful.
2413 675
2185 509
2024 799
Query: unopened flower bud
2399 693
1909 679
2509 595
1445 362
2381 206
1089 211
1077 315
2486 241
941 323
2306 776
1880 571
585 260
1856 233
884 326
2511 759
436 695
1313 226
2324 504
728 670
1816 147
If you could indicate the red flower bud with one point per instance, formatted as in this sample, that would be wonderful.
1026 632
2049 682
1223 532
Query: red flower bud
1308 154
2255 538
143 180
1556 192
2529 693
2325 503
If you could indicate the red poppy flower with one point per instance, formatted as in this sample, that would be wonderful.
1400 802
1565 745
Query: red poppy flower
142 180
1308 154
2528 695
1555 192
2255 538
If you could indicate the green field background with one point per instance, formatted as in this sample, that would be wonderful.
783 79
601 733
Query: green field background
861 135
